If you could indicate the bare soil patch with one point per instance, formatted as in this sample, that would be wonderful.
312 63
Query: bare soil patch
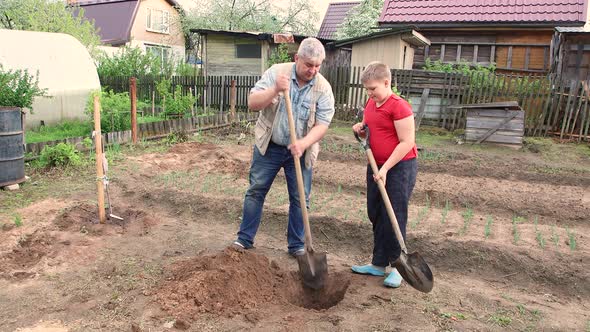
506 239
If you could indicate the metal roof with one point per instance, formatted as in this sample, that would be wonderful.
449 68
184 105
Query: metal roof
409 35
250 34
573 29
335 15
113 18
483 12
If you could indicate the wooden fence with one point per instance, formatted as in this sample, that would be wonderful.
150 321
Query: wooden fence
151 130
212 92
552 106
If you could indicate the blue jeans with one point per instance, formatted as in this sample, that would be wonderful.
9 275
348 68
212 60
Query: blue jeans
263 171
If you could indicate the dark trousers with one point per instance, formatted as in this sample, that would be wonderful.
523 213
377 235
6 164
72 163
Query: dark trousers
399 185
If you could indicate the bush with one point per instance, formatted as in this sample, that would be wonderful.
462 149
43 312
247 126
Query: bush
18 88
279 55
460 67
62 154
115 112
176 103
132 61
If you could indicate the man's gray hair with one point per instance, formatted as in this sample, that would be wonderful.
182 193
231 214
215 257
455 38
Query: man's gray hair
311 48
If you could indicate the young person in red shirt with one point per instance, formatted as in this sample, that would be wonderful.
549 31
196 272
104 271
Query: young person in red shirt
392 139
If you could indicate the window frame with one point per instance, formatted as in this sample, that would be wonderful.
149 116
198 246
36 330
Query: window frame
149 22
258 54
161 48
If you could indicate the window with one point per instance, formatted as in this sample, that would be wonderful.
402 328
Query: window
251 51
161 52
157 20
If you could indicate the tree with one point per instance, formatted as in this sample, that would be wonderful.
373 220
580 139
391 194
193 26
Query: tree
49 16
360 20
131 61
253 15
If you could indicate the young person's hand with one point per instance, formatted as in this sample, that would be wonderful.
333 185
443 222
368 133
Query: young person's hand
359 129
382 175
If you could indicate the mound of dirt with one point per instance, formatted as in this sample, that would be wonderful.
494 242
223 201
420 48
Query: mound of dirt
236 281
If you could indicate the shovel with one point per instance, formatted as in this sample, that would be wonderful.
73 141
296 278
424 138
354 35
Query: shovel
105 169
412 266
313 266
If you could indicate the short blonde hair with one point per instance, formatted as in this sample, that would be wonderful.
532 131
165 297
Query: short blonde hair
376 71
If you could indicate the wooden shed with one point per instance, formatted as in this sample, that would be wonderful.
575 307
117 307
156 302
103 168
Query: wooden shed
501 123
241 53
571 53
392 47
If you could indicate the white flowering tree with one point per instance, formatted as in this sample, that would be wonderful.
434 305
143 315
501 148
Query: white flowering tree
253 15
360 20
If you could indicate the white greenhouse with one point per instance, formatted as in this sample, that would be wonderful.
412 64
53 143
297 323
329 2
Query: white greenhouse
65 69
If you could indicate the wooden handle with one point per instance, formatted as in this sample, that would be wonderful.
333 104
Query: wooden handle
300 187
99 169
388 207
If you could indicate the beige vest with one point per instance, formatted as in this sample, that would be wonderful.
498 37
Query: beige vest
263 129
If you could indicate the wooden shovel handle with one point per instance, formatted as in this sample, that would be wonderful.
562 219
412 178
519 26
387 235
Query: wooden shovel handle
299 174
387 203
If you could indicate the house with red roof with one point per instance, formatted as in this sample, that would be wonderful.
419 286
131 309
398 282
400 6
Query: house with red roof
152 25
514 34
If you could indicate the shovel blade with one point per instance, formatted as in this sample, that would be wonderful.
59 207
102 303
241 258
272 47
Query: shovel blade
313 268
415 271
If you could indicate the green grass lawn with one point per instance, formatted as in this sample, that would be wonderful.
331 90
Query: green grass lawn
67 129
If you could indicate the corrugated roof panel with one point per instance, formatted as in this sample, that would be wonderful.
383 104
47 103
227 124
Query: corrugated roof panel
335 15
505 11
113 18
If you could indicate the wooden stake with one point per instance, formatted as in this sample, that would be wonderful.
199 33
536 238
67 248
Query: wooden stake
232 101
153 102
133 88
99 171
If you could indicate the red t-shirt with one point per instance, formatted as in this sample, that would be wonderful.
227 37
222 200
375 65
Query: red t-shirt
383 136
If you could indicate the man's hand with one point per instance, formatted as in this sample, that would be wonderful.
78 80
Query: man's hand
282 83
297 149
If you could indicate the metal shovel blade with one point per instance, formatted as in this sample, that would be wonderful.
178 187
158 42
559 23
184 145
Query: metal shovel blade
415 271
313 268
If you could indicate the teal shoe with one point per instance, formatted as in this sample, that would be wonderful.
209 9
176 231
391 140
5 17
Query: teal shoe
393 280
369 269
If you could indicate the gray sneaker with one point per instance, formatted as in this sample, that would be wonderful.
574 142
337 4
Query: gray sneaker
298 252
238 245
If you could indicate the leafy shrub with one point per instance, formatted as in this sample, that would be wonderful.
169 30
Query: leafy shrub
186 69
18 88
132 61
279 55
62 154
176 137
115 112
176 103
459 67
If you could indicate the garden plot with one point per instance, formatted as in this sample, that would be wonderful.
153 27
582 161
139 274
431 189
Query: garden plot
504 232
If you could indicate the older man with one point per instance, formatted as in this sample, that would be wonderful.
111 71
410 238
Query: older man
313 109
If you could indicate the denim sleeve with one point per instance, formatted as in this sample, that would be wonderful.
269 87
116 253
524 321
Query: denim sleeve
325 108
266 81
